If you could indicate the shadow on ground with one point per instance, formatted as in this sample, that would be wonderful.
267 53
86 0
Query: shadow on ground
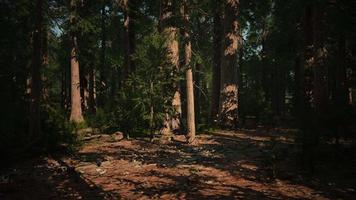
222 165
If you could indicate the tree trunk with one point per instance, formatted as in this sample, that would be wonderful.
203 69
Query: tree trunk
278 89
172 123
267 74
84 89
198 91
217 44
341 90
189 74
65 88
92 92
228 109
320 90
315 81
129 37
45 63
76 110
306 113
103 72
35 86
297 85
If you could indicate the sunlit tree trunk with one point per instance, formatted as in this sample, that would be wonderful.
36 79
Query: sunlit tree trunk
84 89
228 109
189 73
217 44
171 123
76 110
35 80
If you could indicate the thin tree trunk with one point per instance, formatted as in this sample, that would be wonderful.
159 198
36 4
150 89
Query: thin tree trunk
297 85
198 75
65 98
92 93
103 72
320 90
305 117
189 74
217 40
198 91
45 63
129 37
228 109
341 93
76 110
84 90
266 72
127 60
35 86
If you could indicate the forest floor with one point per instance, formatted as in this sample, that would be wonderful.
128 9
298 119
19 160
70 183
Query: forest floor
221 165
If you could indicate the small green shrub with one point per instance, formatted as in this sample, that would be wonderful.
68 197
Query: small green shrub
146 94
58 131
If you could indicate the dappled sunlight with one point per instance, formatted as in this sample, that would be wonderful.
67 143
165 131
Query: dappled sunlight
136 168
222 165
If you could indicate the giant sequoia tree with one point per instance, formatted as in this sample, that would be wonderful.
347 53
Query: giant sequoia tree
170 32
229 89
76 115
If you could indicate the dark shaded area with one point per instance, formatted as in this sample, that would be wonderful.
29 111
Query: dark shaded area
47 178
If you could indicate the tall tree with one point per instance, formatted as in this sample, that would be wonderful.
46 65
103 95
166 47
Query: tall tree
217 37
320 90
76 109
35 86
170 32
103 72
315 80
45 61
228 109
189 73
129 7
92 90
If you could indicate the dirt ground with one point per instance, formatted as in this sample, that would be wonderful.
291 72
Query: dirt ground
221 165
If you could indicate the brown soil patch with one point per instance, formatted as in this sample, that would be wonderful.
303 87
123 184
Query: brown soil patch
221 165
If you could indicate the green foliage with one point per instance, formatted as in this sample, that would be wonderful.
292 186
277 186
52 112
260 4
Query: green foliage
252 102
57 130
146 94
